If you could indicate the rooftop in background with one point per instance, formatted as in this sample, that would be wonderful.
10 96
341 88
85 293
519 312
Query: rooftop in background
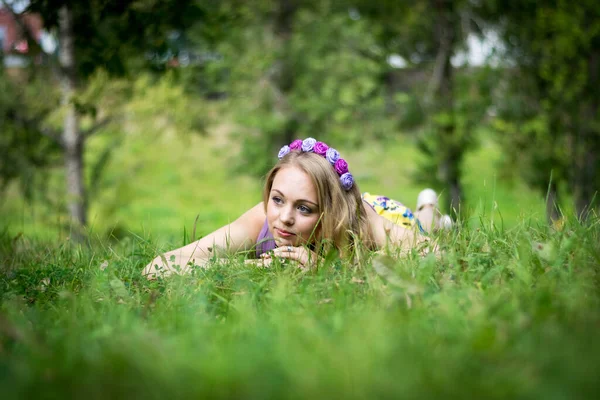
15 48
12 38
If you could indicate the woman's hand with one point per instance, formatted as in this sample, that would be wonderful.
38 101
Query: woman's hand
166 265
304 257
260 262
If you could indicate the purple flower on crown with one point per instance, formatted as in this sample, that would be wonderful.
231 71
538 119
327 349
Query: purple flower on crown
321 149
341 166
296 145
308 144
332 155
347 180
283 151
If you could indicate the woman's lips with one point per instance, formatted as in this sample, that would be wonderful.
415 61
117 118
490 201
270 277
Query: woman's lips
283 233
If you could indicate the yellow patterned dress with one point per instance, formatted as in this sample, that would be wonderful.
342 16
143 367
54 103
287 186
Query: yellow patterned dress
392 209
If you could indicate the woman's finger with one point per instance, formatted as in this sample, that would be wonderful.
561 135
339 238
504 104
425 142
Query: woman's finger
281 250
302 255
265 262
288 253
285 252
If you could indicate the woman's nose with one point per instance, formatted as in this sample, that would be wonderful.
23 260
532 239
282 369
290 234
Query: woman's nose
287 215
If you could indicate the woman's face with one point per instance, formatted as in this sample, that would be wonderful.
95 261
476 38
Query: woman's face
293 208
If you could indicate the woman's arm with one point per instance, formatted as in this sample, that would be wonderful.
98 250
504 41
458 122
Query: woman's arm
237 236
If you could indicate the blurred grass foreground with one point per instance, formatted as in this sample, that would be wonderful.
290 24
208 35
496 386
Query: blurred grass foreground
501 314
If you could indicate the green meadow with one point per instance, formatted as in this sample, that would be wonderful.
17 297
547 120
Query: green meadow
510 308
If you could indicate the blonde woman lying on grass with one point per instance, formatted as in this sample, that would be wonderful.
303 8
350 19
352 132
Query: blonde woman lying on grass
310 205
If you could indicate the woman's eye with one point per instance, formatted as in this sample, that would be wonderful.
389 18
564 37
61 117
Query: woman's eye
276 200
304 209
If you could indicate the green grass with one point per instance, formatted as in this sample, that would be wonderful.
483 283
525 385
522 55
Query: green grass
501 314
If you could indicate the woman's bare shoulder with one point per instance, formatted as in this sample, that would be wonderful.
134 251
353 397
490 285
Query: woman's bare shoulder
252 220
256 213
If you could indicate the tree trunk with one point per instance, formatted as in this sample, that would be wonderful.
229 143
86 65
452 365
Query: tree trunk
450 148
449 167
586 160
586 190
286 80
72 139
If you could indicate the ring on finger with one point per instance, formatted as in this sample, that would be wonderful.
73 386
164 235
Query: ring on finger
289 249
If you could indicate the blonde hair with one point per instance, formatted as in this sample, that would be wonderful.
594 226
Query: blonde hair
343 216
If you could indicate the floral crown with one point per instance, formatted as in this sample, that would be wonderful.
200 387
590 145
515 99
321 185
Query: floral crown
310 145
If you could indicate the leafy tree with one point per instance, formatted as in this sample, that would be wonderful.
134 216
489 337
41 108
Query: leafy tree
26 150
115 36
297 69
427 35
552 114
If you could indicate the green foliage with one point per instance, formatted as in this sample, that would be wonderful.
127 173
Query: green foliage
122 168
149 112
337 85
406 28
25 154
501 313
530 152
428 35
120 36
552 102
322 80
162 104
472 100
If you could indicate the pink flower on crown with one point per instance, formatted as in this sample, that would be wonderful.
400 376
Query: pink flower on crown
347 180
332 155
321 148
308 144
341 166
296 144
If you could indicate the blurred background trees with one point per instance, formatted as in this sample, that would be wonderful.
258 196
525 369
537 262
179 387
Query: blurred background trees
548 118
354 73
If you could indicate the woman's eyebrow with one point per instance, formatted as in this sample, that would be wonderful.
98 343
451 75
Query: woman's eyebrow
300 200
